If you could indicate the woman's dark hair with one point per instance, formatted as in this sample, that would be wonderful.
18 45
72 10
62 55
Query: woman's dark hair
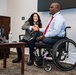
31 21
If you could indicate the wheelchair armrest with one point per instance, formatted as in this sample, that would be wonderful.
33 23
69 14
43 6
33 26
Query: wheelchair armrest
20 36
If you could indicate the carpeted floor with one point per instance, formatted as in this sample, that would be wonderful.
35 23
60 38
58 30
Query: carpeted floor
15 68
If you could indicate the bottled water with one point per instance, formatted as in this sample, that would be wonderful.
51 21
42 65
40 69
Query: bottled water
10 37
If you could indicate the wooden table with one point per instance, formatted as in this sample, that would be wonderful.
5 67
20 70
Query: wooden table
5 46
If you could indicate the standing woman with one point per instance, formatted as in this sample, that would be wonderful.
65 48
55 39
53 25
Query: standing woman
28 26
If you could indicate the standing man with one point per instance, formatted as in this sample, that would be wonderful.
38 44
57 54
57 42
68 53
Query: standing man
55 27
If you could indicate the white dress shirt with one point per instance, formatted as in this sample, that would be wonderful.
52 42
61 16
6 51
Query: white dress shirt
56 27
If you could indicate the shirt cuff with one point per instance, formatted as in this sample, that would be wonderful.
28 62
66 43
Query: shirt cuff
30 28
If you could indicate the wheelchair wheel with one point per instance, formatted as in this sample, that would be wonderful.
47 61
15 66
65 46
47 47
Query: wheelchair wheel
64 54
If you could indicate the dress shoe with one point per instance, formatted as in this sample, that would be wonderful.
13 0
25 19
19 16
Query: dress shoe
16 60
30 63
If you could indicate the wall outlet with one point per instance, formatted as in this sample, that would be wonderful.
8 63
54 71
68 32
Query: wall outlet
23 18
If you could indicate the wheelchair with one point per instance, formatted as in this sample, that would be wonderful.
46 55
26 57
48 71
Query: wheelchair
62 54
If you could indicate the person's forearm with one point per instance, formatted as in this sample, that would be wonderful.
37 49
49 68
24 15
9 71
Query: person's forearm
26 26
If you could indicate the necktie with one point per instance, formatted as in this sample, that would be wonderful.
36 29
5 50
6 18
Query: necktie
47 26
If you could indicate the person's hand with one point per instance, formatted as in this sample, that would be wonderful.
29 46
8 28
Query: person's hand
35 28
40 38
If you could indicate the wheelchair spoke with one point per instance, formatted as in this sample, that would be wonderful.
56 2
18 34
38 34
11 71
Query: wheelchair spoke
72 48
72 58
67 46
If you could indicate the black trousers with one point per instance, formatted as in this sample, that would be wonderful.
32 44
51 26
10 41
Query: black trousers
31 51
19 52
30 44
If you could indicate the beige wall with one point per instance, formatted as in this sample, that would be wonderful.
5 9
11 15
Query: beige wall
17 9
3 7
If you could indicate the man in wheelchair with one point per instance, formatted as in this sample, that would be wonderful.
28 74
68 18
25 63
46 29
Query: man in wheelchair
55 28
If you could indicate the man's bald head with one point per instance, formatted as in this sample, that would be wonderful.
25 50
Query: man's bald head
54 7
57 5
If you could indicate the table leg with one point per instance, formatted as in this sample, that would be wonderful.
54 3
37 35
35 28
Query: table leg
22 62
4 60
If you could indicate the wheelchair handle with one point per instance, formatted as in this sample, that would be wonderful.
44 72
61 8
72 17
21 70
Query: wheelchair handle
66 29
